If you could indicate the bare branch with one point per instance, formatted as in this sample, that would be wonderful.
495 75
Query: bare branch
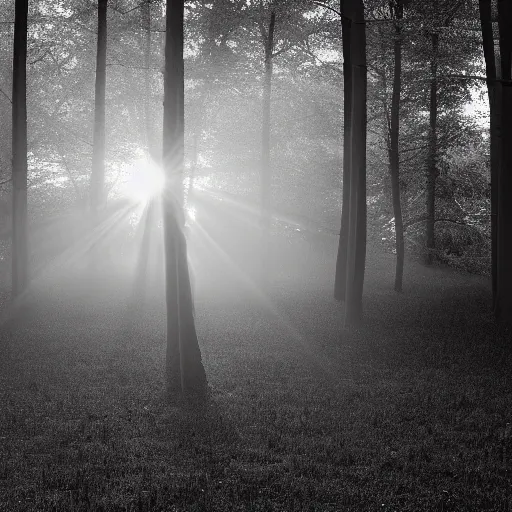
282 50
138 6
450 221
5 94
328 7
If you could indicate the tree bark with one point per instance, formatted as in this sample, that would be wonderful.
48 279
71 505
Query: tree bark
394 161
340 279
19 151
356 246
503 304
493 93
266 173
184 368
98 151
432 154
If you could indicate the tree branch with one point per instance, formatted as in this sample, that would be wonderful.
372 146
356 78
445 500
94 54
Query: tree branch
138 6
5 94
328 7
451 221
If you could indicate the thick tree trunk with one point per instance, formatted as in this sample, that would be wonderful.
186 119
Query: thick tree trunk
394 162
266 173
356 247
340 279
503 304
432 154
493 92
98 150
19 151
184 368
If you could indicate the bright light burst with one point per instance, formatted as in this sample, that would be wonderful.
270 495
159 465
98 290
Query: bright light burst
145 180
191 212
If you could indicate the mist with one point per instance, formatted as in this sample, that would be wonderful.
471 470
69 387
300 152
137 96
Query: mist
255 255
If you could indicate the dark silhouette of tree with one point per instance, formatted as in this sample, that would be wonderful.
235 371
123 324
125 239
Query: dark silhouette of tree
19 151
499 83
184 369
493 90
146 26
397 13
340 280
98 150
353 12
430 195
503 302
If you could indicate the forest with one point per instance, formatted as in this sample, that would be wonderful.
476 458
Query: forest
255 255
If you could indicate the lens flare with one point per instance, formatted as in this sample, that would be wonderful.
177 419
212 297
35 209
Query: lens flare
145 180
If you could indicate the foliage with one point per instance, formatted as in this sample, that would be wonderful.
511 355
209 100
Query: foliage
224 66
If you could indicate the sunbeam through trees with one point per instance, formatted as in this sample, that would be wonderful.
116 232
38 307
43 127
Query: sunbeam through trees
183 185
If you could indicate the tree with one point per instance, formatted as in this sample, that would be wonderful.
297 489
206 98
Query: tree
266 173
340 279
439 15
148 216
267 14
353 11
397 12
184 369
493 90
19 151
503 302
500 108
433 121
146 26
98 151
430 195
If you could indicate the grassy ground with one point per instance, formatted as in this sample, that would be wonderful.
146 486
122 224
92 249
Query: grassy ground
410 412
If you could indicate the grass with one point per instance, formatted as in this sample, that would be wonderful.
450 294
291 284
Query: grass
411 412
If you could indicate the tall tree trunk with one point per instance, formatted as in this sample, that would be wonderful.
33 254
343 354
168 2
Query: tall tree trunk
184 368
432 153
356 246
146 22
98 150
503 304
494 94
141 272
394 161
340 280
19 151
266 174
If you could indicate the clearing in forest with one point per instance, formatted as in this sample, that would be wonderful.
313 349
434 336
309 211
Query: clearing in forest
409 412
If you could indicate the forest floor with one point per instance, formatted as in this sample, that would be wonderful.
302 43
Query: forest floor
412 411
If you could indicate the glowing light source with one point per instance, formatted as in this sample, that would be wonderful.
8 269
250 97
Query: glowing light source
145 180
191 212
